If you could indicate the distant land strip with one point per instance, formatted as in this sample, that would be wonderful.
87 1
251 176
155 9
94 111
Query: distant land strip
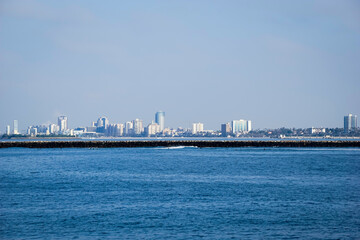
197 143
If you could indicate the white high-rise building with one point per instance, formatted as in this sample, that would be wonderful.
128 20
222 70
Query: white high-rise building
129 128
350 122
239 126
16 127
63 124
197 127
53 128
120 129
138 126
115 130
8 130
160 119
248 124
153 128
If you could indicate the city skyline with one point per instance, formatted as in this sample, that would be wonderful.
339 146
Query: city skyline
173 119
138 127
189 124
289 63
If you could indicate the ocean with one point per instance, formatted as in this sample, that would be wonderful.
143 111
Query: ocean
180 193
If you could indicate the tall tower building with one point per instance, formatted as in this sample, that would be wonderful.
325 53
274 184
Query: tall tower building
53 128
152 129
129 128
225 129
115 130
240 126
138 126
197 127
8 130
160 119
16 127
119 129
102 122
350 123
248 126
62 122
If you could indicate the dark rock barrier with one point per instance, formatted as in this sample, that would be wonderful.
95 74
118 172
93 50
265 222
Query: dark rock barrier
215 143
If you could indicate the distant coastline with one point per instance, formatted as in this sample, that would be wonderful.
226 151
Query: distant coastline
219 138
174 143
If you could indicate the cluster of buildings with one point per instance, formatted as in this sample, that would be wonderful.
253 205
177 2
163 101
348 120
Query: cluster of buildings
102 127
236 127
136 128
51 129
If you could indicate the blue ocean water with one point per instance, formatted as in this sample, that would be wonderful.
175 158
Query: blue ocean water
180 193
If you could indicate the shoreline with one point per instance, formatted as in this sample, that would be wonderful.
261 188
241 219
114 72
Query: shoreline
170 143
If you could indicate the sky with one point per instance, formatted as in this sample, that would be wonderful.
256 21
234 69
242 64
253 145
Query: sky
276 63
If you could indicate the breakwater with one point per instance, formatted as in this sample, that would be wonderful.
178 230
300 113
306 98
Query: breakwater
169 143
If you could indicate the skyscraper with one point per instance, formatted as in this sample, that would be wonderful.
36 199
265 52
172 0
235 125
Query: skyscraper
16 127
53 128
8 130
138 126
238 126
115 130
350 123
160 119
241 125
119 129
225 129
129 128
102 122
248 125
197 127
62 122
152 129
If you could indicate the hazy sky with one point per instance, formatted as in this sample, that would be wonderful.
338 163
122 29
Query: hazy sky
277 63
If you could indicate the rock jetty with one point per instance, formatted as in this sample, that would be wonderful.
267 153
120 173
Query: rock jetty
174 143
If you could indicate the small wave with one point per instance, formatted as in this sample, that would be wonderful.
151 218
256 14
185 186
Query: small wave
178 147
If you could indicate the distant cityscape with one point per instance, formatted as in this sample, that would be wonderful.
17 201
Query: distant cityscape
135 128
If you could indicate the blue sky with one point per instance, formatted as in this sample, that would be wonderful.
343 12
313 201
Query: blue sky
277 63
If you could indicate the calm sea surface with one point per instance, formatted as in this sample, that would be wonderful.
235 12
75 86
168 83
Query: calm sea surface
180 193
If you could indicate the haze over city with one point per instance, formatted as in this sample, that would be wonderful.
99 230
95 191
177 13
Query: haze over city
278 63
179 119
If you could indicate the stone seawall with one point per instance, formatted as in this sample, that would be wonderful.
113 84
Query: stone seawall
215 143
